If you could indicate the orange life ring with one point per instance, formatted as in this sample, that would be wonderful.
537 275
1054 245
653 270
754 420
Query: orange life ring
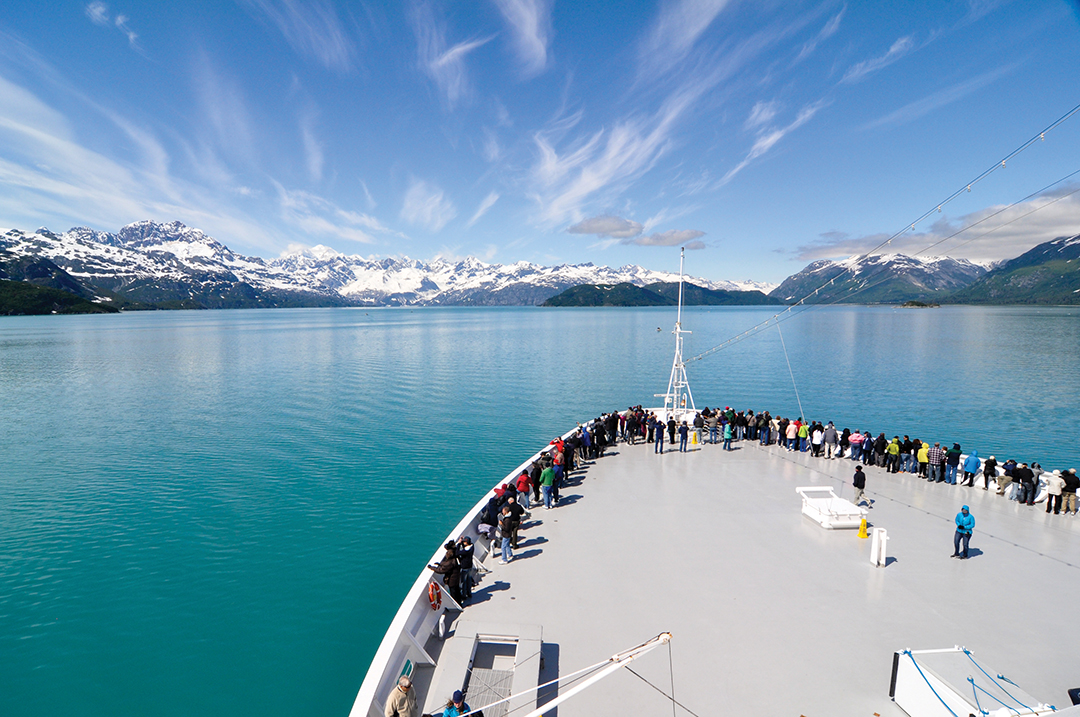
434 595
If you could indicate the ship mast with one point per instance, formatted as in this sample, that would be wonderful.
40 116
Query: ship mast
678 400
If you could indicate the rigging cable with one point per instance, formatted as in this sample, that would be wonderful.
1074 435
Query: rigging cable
801 413
671 673
966 188
1003 209
665 694
886 278
809 307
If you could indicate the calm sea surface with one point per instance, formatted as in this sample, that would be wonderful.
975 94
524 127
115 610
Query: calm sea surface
218 513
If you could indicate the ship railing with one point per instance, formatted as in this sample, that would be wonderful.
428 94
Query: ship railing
402 648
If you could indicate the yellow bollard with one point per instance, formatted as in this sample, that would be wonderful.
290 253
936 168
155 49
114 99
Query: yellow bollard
862 529
693 439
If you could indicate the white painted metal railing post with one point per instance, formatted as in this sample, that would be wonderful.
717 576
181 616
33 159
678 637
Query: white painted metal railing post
877 547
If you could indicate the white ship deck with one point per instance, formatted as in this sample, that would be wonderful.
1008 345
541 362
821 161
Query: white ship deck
770 613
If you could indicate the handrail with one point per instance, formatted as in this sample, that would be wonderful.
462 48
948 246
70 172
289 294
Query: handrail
366 697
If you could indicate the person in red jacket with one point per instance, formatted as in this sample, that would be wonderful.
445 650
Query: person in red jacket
524 488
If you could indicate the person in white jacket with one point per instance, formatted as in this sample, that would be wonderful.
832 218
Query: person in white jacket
1054 484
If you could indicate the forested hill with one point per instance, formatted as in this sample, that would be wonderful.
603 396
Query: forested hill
659 294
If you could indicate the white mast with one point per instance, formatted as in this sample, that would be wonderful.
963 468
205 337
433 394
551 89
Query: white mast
678 400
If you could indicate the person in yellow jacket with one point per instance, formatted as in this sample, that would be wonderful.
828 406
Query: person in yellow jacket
892 451
924 458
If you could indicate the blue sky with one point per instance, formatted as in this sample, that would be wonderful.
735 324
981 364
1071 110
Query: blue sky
766 134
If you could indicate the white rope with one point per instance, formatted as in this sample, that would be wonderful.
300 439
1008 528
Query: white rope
801 414
1000 164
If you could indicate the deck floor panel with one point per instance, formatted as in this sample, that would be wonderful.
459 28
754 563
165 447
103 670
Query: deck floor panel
772 614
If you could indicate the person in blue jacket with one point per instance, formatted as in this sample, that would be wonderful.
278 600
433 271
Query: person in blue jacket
965 523
971 467
456 705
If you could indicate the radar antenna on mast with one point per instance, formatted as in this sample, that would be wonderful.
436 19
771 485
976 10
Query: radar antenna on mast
678 400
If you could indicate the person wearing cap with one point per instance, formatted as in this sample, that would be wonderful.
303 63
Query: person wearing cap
859 481
965 524
989 471
402 700
456 705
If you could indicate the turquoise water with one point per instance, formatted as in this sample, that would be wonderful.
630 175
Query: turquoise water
217 513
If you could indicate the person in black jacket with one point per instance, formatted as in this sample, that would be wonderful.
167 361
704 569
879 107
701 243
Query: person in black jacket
451 572
1026 477
671 425
989 471
1068 492
464 554
507 526
880 444
518 513
859 481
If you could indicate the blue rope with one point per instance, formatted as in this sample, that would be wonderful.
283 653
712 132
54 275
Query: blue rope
908 653
976 693
992 680
991 696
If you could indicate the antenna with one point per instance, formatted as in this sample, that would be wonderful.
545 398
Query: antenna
678 400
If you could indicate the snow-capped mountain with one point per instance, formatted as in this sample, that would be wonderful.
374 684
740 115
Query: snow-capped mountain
155 263
884 278
1045 274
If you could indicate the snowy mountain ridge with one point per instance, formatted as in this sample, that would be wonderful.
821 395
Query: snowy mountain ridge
155 262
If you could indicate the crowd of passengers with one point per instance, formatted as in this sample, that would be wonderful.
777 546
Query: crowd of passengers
539 483
932 462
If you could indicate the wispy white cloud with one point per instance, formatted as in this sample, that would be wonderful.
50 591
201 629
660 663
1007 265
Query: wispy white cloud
1001 232
761 114
316 216
859 70
121 23
444 64
312 28
677 27
367 195
46 172
605 161
941 98
530 23
824 34
98 12
485 205
426 205
768 138
224 110
673 237
491 150
607 226
313 150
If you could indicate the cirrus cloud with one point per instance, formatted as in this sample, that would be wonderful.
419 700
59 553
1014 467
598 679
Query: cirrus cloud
426 205
607 226
673 237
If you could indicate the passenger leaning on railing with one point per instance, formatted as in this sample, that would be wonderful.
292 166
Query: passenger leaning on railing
932 462
402 700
